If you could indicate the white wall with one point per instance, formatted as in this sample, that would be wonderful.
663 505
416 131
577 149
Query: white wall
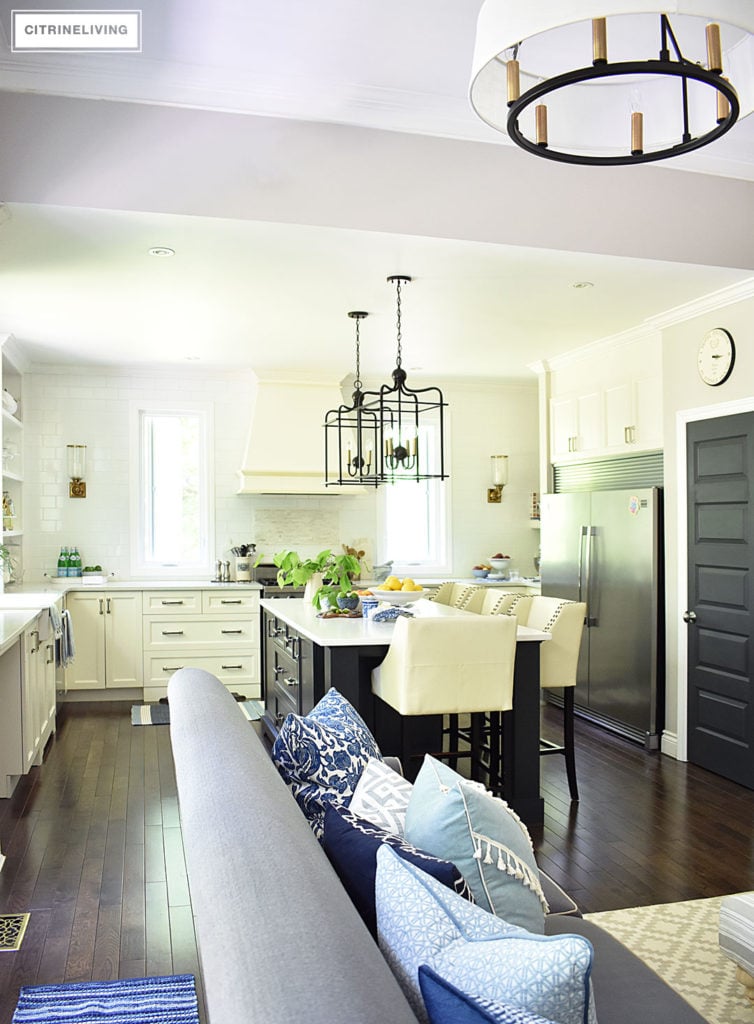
63 405
490 420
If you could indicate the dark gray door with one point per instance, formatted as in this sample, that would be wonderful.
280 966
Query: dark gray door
720 559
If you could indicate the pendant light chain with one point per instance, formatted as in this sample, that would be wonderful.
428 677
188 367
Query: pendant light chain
398 320
357 381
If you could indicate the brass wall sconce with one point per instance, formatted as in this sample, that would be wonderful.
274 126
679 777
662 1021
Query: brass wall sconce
76 457
499 478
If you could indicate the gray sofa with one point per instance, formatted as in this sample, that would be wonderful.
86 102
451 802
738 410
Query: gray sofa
279 938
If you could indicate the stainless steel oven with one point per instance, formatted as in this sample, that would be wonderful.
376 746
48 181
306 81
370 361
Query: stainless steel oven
266 575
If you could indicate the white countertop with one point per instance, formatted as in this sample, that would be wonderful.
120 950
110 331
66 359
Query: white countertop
60 586
13 624
360 632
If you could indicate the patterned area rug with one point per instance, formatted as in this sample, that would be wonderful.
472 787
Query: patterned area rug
159 714
131 1001
680 942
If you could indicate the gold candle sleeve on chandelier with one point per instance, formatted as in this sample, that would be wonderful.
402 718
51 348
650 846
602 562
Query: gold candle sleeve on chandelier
514 80
714 48
637 133
541 115
599 41
723 107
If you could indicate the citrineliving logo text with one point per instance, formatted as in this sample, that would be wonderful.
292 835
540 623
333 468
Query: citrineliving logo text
78 31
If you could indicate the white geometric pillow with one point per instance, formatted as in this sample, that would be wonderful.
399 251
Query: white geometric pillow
420 921
381 797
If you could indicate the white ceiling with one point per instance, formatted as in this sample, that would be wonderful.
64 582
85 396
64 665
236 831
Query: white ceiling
294 155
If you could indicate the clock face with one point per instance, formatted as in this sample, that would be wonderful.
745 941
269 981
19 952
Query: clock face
717 353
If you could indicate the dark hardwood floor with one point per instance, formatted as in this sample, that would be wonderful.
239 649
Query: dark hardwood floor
94 851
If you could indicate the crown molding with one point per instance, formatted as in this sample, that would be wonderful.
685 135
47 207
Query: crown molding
651 326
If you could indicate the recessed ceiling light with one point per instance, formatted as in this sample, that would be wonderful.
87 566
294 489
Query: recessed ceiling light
161 250
583 284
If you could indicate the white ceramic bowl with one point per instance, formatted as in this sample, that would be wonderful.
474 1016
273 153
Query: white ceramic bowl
499 564
479 573
398 596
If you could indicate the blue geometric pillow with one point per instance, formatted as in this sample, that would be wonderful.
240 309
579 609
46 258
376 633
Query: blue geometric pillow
448 1005
322 755
352 843
420 921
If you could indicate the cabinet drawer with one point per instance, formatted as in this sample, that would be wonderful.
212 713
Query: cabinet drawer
230 601
278 705
173 602
191 632
236 670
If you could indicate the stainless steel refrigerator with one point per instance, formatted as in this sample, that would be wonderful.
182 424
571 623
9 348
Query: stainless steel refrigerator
605 548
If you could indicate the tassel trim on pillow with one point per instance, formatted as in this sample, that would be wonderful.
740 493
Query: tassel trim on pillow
506 860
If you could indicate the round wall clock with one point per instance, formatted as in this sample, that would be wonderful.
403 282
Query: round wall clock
717 354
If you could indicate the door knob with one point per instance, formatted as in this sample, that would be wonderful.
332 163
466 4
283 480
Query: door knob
689 616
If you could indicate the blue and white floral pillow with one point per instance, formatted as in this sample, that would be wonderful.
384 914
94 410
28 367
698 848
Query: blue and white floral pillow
420 921
322 755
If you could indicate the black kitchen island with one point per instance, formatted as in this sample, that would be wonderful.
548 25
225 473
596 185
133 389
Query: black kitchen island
304 655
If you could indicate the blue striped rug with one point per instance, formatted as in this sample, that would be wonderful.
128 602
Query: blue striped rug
168 1000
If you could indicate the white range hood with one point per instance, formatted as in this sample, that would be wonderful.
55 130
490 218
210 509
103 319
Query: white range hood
285 450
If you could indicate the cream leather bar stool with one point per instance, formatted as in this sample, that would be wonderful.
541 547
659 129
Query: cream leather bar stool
448 666
558 661
454 594
489 601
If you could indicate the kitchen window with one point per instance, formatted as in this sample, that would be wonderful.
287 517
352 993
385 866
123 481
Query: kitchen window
171 502
414 522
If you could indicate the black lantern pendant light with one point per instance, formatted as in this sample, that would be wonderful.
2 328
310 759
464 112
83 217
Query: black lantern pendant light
408 452
396 433
352 435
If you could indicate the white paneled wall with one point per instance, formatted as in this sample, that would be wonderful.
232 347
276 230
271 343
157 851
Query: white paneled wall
65 405
70 405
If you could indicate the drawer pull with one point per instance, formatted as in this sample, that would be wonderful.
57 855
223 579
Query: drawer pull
290 681
171 602
172 632
231 666
278 669
224 600
225 631
171 668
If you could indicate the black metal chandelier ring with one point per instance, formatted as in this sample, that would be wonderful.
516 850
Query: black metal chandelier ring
682 70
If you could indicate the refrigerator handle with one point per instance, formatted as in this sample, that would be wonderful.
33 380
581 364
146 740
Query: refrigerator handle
583 532
591 620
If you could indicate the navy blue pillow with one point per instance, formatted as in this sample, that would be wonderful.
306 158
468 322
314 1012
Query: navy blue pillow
446 1004
351 843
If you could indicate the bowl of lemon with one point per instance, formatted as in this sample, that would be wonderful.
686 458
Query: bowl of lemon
397 591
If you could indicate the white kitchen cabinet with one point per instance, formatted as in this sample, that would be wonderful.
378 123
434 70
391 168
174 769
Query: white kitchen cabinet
215 630
607 401
633 415
27 698
107 637
576 423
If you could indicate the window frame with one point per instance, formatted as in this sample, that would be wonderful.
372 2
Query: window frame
440 512
140 566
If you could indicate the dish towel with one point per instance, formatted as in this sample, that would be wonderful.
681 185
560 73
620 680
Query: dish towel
65 650
56 620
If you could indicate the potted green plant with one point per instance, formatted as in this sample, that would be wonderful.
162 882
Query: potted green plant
337 584
330 576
